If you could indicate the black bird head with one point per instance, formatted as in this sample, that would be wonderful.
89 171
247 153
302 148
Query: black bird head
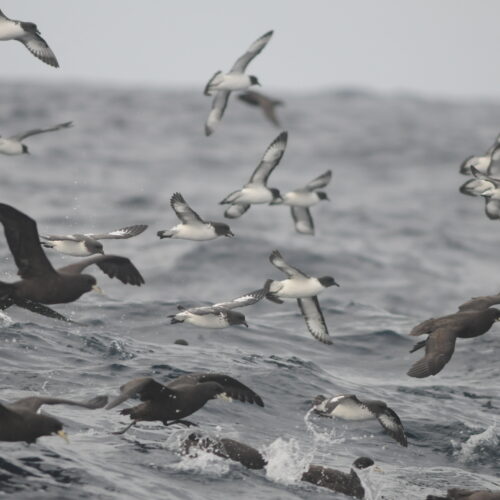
25 149
363 463
254 81
222 229
322 195
327 281
236 318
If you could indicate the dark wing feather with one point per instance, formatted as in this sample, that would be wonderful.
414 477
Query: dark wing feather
236 210
232 387
270 159
120 234
24 243
112 265
36 131
314 319
219 104
320 181
393 426
480 303
277 261
39 48
438 351
247 299
146 387
304 223
34 403
183 211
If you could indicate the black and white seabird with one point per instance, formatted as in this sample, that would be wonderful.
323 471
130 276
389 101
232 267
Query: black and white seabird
224 83
181 397
487 163
19 421
491 194
300 200
219 315
460 494
305 289
41 283
28 34
265 103
255 191
83 245
192 226
14 146
349 407
443 332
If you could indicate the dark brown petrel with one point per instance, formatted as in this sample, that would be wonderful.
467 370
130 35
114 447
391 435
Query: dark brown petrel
41 283
267 104
180 398
442 334
19 421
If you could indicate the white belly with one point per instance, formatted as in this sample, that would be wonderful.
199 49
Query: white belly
9 147
255 195
197 233
10 30
305 200
232 81
297 288
352 412
75 248
203 321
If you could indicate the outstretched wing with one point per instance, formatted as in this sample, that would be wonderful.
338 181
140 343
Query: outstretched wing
66 237
34 403
236 210
270 160
219 104
438 351
475 187
277 261
112 265
314 318
245 300
320 181
24 243
232 388
120 234
242 62
36 131
183 211
480 303
393 426
37 45
146 387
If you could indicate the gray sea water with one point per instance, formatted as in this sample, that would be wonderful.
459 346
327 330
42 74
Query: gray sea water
397 235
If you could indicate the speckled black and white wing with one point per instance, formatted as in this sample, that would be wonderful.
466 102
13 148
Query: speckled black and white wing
303 220
479 175
120 234
245 300
393 426
314 319
270 160
33 403
219 104
66 237
277 261
146 387
183 211
320 181
439 349
37 45
480 303
36 131
243 61
231 387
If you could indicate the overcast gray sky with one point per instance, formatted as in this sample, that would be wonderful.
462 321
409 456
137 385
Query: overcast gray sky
437 47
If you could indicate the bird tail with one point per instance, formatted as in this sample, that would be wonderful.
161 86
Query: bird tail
165 234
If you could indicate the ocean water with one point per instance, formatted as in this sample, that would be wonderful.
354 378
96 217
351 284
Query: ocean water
399 238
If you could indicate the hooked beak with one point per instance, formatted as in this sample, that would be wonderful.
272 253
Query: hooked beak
62 434
245 323
97 289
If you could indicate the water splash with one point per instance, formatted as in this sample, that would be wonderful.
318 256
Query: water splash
478 445
5 320
286 461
